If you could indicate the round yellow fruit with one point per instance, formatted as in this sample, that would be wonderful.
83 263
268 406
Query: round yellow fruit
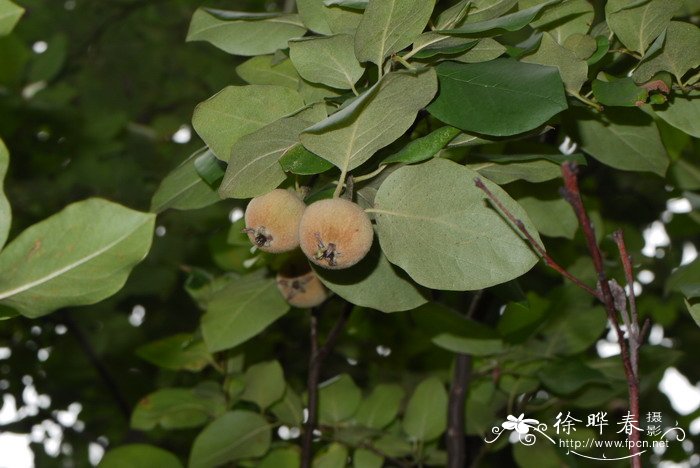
301 288
335 233
272 221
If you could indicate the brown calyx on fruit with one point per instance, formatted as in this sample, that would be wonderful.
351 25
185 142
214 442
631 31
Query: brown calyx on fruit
300 286
335 233
272 221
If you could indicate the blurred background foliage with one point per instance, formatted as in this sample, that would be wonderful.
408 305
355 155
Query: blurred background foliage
96 97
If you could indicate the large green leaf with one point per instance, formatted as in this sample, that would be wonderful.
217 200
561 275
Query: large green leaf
338 399
378 117
424 148
242 34
240 311
566 376
265 70
426 413
139 456
9 16
328 20
78 256
501 97
678 54
486 49
686 279
380 408
286 457
181 351
573 71
5 209
235 435
177 408
623 138
289 410
374 283
622 92
432 221
183 188
239 110
682 111
477 339
564 19
327 60
638 25
254 167
389 26
492 27
334 455
482 10
264 384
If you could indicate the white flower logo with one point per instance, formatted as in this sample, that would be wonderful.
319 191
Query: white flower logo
519 424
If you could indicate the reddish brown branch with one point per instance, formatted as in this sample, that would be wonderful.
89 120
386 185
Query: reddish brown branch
316 359
634 335
572 194
549 261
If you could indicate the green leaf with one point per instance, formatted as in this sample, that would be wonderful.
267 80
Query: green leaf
487 49
99 243
240 311
636 27
338 399
254 167
380 408
325 20
506 168
453 15
265 70
289 410
363 458
334 455
449 238
686 280
389 26
235 435
475 338
621 92
602 47
286 457
327 60
566 376
393 445
245 36
424 148
694 310
622 138
378 117
355 4
178 408
183 188
564 19
512 97
10 14
519 321
209 168
181 351
299 160
678 54
235 111
426 413
582 45
552 218
374 283
496 26
573 71
482 10
139 456
264 384
430 44
5 208
681 111
47 65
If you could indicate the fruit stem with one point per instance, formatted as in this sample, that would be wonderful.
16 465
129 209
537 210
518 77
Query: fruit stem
341 182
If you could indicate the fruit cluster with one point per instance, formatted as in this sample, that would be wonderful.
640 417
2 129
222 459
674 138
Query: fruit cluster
333 233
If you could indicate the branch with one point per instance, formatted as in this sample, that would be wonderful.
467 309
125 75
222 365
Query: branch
572 194
316 359
633 332
454 437
533 243
109 382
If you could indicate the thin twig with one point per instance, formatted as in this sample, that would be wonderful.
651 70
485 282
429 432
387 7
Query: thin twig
107 379
316 358
572 194
533 243
633 332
